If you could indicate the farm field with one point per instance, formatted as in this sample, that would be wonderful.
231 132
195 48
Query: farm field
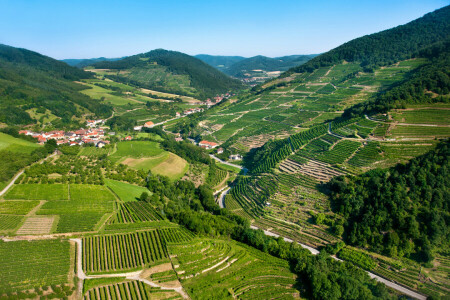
86 207
17 207
136 149
432 115
125 191
227 269
10 143
129 290
119 252
27 264
38 192
149 156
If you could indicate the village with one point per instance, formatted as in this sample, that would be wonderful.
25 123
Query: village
93 135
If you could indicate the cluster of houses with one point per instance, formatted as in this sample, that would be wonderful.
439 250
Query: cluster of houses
93 135
192 111
218 99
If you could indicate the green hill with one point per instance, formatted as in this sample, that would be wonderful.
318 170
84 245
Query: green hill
84 62
266 64
388 46
29 80
169 71
219 62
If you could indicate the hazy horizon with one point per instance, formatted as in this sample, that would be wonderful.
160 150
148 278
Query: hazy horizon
114 29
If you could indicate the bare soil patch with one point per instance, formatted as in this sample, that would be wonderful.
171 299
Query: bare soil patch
37 225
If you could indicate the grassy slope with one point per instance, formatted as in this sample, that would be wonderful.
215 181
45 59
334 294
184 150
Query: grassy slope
13 144
149 156
170 71
125 191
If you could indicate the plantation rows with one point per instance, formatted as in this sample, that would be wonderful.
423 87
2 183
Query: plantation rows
8 222
246 272
358 258
27 264
340 152
368 154
126 290
175 235
108 253
137 211
216 175
281 149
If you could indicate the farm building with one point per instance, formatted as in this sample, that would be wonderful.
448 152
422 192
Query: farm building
149 124
208 145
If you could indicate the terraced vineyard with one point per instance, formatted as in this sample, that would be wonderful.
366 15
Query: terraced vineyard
119 252
226 269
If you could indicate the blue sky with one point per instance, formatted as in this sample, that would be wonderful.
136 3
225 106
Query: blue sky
85 29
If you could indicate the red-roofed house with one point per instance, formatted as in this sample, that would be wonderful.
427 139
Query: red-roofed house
128 138
208 145
149 124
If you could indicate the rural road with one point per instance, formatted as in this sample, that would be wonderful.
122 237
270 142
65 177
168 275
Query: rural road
11 183
388 283
222 198
229 164
20 173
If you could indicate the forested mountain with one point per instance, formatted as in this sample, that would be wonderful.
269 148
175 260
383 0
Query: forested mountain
399 211
266 64
388 46
218 61
429 83
81 63
236 66
170 71
30 80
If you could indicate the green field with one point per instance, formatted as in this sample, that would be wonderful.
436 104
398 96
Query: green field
87 206
136 149
27 264
38 192
423 116
125 191
148 156
13 144
17 207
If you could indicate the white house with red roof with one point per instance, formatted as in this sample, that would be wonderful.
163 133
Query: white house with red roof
208 145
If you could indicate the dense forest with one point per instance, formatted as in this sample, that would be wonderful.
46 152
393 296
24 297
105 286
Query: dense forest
402 211
206 80
30 80
386 47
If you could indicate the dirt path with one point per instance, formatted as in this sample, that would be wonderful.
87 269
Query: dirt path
128 275
11 183
20 173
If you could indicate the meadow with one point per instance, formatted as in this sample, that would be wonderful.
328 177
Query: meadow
148 156
125 191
